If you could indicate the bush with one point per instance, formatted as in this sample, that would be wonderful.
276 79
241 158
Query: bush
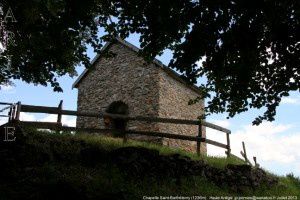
294 179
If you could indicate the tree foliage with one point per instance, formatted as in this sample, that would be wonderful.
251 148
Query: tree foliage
251 48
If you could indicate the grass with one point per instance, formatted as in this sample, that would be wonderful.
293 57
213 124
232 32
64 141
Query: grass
63 176
110 143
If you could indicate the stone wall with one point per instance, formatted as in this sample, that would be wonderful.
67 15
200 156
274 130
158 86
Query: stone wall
137 162
124 77
173 103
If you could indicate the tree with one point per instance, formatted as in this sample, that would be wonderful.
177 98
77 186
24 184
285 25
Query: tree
251 48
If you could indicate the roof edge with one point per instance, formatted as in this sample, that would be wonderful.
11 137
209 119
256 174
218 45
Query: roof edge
171 72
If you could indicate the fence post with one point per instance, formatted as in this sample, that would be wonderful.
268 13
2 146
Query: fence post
244 149
124 131
59 108
244 153
10 114
199 138
124 137
255 161
228 144
18 111
13 112
59 112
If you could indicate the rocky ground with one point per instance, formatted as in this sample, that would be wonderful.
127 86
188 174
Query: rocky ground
136 163
141 162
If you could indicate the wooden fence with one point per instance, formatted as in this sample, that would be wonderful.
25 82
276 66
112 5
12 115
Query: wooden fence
16 109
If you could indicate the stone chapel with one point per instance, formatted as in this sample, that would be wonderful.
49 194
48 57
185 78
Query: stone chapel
126 84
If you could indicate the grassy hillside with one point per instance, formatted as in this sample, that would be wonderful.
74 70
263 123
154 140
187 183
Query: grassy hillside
41 165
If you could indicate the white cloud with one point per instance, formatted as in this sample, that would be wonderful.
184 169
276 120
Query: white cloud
223 123
8 89
3 120
69 121
290 100
217 136
66 120
23 117
269 142
27 117
265 144
264 129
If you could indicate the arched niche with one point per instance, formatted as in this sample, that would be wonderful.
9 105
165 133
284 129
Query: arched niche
117 107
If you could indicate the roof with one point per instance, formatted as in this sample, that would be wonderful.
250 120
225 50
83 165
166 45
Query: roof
158 63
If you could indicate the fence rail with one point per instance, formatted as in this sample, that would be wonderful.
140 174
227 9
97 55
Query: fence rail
16 109
5 103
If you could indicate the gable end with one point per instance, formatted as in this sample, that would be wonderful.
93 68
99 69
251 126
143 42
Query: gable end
158 63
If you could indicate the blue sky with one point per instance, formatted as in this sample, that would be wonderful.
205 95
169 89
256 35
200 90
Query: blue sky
274 144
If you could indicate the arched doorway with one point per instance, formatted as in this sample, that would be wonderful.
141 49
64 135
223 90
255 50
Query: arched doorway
118 107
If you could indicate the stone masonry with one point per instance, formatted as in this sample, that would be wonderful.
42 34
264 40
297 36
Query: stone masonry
173 103
149 89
